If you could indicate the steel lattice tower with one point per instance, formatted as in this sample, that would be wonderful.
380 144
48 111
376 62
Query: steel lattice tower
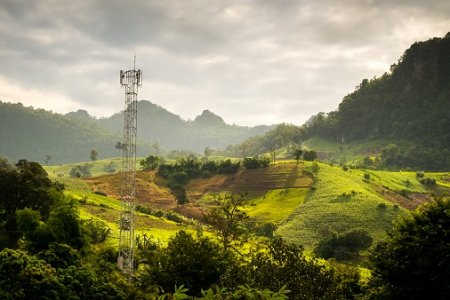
131 80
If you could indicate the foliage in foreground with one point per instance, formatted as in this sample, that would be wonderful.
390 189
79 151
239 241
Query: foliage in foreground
414 263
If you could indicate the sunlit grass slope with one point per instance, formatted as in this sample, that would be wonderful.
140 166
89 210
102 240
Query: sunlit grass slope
348 152
97 167
107 209
339 201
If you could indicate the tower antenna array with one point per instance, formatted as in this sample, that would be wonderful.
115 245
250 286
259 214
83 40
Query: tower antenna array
131 80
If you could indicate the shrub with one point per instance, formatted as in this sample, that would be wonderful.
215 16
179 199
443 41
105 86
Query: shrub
344 246
420 174
256 162
428 181
366 176
97 231
110 168
381 206
309 155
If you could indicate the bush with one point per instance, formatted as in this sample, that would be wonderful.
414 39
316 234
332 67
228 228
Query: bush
381 206
344 246
428 181
256 162
110 168
81 171
309 155
151 162
366 176
195 262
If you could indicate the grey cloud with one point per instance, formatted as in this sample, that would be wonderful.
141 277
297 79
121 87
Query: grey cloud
249 61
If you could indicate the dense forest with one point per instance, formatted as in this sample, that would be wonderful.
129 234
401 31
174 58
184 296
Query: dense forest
409 105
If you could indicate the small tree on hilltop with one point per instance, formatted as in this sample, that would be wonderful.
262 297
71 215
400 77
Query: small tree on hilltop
309 155
94 155
297 153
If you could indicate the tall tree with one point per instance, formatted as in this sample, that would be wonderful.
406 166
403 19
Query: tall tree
414 263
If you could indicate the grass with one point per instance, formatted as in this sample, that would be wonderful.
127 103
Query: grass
281 194
339 201
97 167
346 152
275 205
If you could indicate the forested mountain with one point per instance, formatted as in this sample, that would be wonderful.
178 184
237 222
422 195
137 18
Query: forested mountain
47 137
410 105
43 136
411 102
156 124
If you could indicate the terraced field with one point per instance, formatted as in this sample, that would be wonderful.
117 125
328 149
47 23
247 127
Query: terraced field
279 176
148 191
273 192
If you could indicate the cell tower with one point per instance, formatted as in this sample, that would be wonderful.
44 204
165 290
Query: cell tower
131 80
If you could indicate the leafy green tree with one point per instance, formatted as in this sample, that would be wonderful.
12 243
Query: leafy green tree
285 265
309 155
315 168
229 218
25 186
179 192
23 276
297 153
256 162
87 283
94 154
414 262
194 262
97 230
344 246
151 162
81 171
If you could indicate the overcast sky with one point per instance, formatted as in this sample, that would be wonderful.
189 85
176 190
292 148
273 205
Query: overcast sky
251 62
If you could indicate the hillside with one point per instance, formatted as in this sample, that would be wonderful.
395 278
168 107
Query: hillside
406 109
35 133
301 208
170 131
38 135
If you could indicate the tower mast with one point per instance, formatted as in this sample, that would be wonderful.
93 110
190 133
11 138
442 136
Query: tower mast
131 80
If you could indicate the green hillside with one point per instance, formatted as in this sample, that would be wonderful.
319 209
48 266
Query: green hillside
404 112
303 208
170 131
36 134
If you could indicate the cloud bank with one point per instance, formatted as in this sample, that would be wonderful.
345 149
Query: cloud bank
252 62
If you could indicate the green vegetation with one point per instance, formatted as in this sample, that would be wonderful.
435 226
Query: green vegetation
413 262
339 201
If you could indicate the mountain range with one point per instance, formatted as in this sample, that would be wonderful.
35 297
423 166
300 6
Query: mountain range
44 136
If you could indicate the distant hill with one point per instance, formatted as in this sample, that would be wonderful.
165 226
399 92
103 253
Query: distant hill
409 106
34 134
156 124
